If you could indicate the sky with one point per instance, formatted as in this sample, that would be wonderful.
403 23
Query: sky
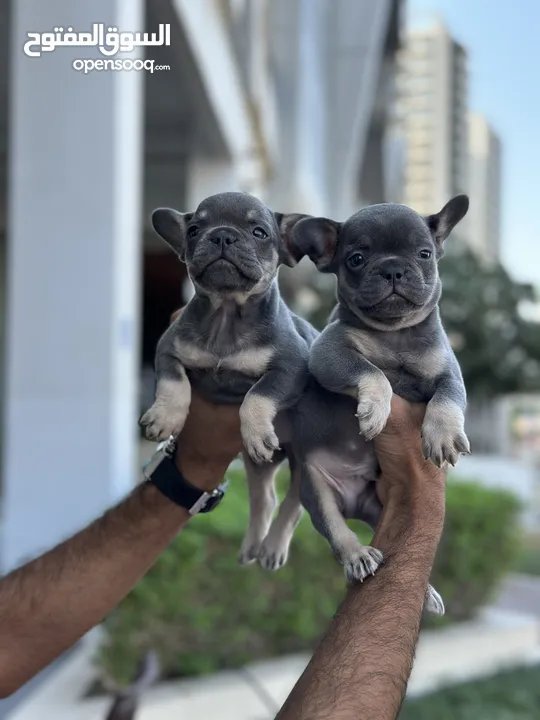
502 38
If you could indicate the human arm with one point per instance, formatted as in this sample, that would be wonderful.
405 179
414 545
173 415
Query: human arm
48 604
362 665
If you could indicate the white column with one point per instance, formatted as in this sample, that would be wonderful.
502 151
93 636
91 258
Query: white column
73 280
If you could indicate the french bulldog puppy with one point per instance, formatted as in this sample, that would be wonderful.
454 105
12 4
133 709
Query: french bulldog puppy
237 342
384 336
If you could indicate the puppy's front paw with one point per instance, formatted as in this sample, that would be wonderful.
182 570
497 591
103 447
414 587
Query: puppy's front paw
374 398
443 433
162 421
261 448
274 553
364 561
168 414
256 424
249 552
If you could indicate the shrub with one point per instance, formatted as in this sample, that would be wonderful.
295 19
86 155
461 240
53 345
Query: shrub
201 611
480 544
510 695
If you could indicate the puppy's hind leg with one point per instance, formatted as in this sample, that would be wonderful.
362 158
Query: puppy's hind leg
262 503
321 502
434 602
275 548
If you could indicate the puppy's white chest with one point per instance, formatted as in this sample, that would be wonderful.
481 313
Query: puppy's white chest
252 361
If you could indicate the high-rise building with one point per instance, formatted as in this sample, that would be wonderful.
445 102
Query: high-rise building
485 189
433 112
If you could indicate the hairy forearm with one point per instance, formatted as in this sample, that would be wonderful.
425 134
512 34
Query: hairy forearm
48 604
363 663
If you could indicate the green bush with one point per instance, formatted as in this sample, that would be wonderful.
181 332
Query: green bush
480 544
510 695
203 612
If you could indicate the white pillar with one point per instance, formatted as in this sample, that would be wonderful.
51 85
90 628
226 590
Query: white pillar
73 280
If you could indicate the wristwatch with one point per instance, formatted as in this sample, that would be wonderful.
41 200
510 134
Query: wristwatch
162 472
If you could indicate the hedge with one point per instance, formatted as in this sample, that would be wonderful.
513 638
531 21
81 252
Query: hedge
510 695
202 611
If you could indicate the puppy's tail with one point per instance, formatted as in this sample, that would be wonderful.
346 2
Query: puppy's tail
127 699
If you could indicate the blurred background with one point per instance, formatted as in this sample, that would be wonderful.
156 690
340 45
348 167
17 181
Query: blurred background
315 106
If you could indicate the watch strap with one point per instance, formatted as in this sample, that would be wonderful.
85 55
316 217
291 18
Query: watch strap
169 480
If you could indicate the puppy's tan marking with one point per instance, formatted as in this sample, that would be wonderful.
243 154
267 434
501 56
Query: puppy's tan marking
368 346
252 361
193 356
430 363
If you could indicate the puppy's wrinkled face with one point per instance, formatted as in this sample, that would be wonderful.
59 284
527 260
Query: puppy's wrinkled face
385 259
232 243
387 262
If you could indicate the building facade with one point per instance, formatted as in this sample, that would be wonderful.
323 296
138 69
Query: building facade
433 115
266 100
485 189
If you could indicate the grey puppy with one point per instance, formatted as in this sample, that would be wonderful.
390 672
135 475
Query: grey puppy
237 342
384 336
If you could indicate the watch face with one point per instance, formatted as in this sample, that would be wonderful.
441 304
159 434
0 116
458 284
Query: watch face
213 502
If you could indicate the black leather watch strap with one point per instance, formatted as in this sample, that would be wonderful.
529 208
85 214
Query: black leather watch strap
170 481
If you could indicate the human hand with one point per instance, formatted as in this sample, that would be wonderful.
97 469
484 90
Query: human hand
208 443
399 452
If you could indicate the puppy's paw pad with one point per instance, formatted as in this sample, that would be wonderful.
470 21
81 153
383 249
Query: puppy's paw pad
434 602
273 557
442 447
261 448
372 417
249 552
363 562
162 421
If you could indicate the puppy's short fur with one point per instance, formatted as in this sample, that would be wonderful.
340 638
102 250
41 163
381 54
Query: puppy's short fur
384 336
237 342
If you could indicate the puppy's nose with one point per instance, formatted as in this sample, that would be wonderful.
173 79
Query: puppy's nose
392 270
223 236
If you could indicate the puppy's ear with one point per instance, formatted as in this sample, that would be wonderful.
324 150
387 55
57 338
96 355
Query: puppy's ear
443 222
289 254
306 235
172 225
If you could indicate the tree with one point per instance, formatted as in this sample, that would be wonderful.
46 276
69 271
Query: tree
498 350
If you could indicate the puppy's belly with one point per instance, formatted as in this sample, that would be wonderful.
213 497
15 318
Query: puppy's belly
326 436
352 479
224 387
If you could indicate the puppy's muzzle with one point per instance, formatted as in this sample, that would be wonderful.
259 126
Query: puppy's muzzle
393 271
223 237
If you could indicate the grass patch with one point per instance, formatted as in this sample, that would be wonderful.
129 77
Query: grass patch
510 695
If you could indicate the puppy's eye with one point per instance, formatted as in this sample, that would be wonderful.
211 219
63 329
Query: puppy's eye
260 233
193 231
355 260
425 254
